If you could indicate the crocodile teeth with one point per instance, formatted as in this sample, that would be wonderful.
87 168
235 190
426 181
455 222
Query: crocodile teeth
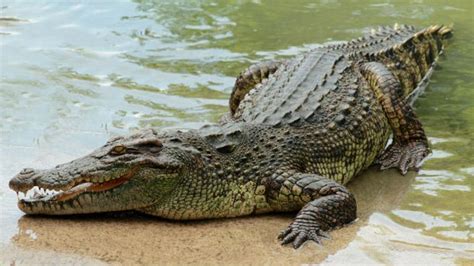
21 195
36 193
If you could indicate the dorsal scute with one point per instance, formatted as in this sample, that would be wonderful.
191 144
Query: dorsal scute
407 38
376 39
296 94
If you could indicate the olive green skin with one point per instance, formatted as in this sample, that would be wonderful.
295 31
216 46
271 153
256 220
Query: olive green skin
298 130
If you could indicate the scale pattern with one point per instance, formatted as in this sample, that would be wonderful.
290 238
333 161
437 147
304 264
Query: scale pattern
298 130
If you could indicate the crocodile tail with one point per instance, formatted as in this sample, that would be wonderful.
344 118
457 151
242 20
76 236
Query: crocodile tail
378 39
412 60
445 32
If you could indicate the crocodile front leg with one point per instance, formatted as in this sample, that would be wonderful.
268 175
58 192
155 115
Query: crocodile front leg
328 205
410 145
250 78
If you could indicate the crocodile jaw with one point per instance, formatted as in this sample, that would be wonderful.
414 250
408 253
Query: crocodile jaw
74 197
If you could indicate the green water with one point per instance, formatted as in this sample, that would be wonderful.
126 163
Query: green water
71 75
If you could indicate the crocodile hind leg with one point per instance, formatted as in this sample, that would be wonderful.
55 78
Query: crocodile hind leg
410 145
250 78
327 205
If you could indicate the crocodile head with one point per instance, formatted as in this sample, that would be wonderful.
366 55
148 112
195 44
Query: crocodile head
126 173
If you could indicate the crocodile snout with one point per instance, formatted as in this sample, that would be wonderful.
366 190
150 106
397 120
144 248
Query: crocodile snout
24 180
27 171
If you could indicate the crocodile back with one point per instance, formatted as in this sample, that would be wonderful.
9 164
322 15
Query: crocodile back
317 112
320 84
294 93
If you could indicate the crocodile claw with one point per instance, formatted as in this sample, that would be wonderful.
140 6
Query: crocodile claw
298 234
403 157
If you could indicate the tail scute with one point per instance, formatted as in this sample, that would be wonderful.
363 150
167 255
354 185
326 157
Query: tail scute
445 32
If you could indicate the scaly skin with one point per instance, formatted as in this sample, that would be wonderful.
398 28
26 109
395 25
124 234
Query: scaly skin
297 132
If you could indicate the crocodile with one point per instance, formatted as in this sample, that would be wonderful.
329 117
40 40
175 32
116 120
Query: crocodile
297 132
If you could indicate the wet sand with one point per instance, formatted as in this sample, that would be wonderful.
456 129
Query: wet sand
130 238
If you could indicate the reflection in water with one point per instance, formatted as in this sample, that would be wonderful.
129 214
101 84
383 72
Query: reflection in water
71 75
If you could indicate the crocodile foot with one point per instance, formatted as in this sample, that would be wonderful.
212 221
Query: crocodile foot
298 233
404 157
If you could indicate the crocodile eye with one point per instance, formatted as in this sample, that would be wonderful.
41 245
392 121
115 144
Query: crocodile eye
119 149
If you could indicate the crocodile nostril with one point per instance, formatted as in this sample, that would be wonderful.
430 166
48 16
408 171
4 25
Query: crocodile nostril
27 171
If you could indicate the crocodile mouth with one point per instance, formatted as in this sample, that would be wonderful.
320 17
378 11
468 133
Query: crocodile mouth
45 199
37 193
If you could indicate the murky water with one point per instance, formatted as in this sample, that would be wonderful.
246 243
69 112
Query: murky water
73 74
